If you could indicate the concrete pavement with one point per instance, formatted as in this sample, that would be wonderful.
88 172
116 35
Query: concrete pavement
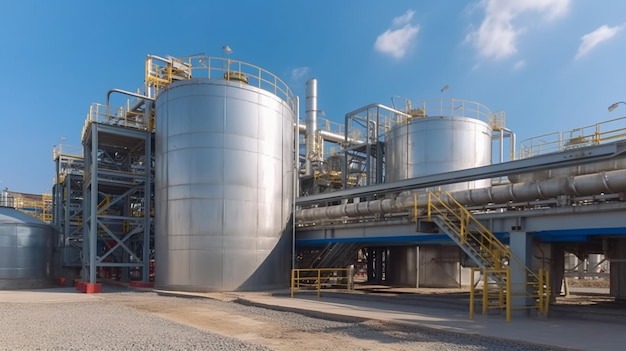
568 334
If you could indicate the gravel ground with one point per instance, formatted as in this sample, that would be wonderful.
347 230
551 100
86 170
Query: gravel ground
147 321
101 325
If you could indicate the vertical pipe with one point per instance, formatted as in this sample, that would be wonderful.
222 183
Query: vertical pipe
147 191
296 167
311 122
501 145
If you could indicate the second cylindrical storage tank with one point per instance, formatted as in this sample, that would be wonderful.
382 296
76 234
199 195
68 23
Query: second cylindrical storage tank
426 145
26 245
224 169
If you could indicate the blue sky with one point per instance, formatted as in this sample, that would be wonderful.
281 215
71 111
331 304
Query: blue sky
551 65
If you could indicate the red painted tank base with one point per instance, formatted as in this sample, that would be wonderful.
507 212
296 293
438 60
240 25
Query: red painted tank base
93 288
88 287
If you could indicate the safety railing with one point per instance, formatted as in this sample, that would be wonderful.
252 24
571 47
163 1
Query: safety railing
119 116
447 108
66 150
492 291
318 279
457 216
161 71
40 209
478 241
595 134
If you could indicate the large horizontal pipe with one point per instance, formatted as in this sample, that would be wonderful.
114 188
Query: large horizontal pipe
329 136
596 167
129 93
583 185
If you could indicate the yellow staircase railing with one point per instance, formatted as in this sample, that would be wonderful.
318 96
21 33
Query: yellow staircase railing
490 254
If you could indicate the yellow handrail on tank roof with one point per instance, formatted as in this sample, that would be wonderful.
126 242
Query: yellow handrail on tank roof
161 71
595 134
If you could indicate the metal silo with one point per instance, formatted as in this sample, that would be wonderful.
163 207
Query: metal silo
25 250
223 173
442 136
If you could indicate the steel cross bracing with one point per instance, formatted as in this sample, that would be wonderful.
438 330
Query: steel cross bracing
67 206
117 202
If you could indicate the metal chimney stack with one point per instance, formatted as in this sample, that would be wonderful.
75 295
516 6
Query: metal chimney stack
311 123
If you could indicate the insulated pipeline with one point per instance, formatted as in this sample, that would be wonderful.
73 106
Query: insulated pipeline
582 185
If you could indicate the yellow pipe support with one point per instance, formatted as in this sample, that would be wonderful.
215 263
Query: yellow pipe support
548 292
540 292
319 283
429 205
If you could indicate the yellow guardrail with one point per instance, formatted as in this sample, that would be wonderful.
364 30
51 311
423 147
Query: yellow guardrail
308 279
161 71
468 229
498 292
607 131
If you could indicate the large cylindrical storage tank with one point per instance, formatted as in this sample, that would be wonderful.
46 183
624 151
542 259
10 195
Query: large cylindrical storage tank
26 245
223 174
429 145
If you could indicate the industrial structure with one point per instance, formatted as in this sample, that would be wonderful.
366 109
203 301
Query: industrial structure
206 179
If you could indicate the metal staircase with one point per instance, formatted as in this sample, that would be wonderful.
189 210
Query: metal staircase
336 255
493 258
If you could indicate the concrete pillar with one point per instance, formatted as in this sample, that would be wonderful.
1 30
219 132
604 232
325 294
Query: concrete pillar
439 267
521 247
617 259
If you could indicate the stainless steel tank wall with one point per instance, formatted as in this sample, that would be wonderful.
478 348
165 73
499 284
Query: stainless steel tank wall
223 173
25 246
431 145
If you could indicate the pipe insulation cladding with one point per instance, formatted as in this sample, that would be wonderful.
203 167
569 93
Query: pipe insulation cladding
223 186
582 185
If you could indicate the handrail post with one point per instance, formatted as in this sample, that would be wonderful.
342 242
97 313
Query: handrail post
293 272
429 204
319 282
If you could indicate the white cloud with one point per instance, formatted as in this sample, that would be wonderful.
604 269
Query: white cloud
395 42
591 40
404 19
299 72
497 35
519 65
